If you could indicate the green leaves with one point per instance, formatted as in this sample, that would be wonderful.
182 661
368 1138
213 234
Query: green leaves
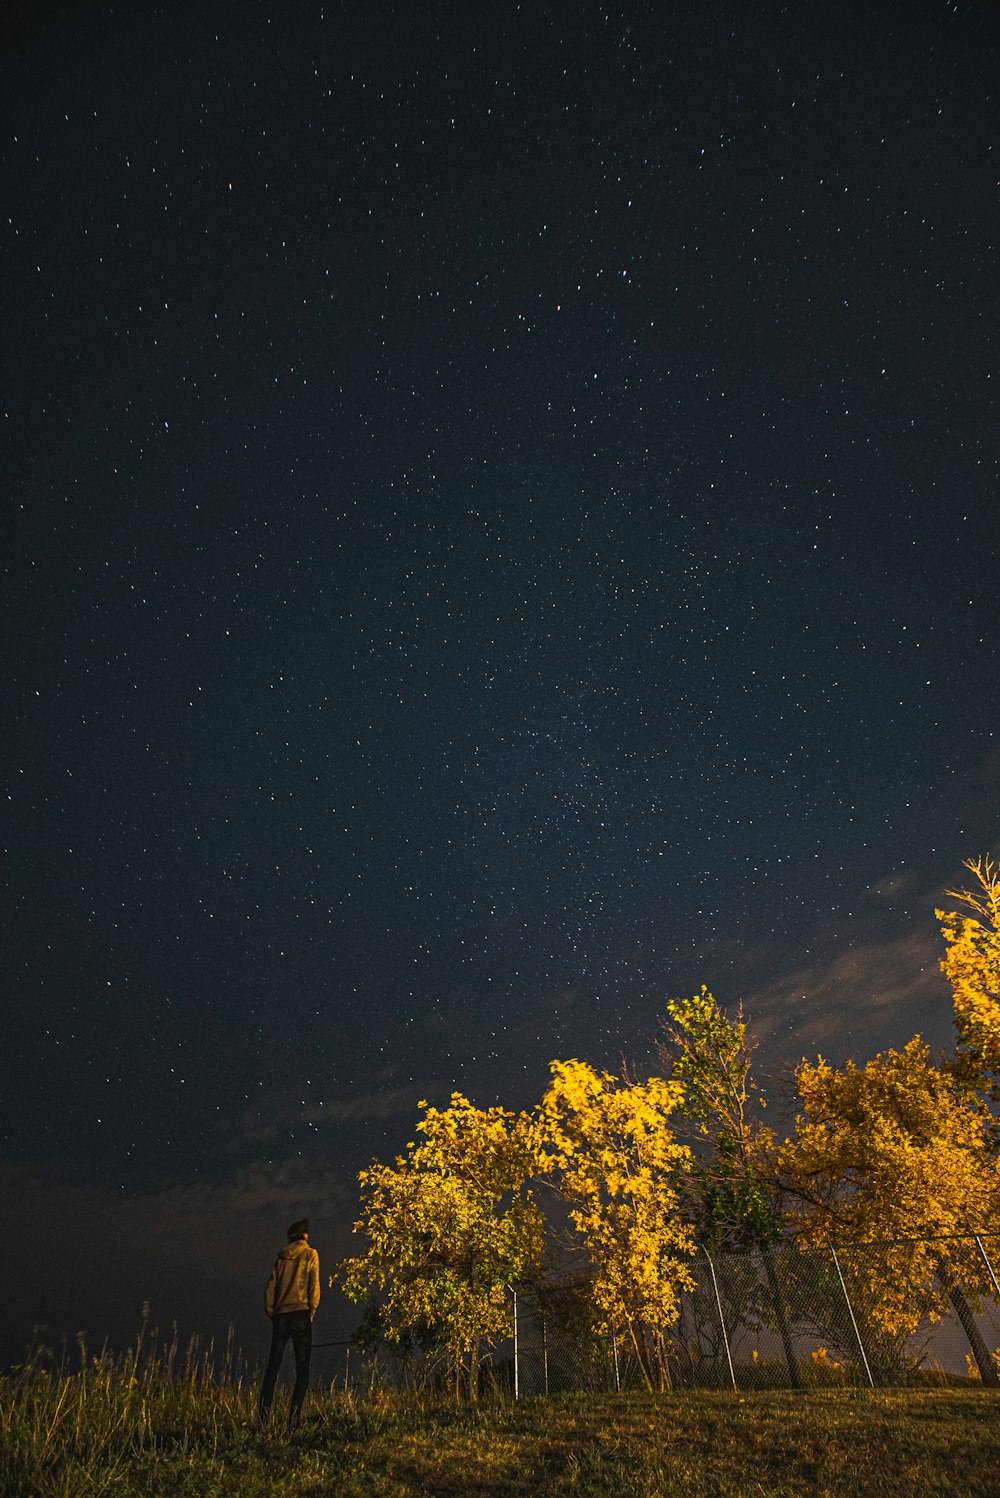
729 1194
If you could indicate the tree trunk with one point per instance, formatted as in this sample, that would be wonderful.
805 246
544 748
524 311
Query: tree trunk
781 1319
640 1357
984 1358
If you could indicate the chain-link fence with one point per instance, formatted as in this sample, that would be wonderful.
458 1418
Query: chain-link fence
362 1371
908 1312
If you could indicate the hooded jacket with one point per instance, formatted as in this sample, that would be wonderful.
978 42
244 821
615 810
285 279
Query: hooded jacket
294 1282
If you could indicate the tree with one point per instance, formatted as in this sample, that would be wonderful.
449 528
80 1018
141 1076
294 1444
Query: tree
972 966
731 1198
896 1149
616 1163
449 1225
733 1202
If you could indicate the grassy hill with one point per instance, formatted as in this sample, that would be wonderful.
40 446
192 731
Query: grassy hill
117 1429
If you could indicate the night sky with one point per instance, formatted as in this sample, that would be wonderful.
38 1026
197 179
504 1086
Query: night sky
501 529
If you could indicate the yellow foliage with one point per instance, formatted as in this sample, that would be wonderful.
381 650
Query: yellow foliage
617 1163
973 1366
447 1226
896 1149
972 966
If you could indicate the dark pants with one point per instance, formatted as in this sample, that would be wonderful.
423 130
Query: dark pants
294 1326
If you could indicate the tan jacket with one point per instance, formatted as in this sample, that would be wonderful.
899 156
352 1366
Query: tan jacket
294 1282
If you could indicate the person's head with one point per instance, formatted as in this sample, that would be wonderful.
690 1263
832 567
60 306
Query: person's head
299 1229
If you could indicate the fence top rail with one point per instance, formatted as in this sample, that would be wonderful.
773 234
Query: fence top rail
789 1246
576 1274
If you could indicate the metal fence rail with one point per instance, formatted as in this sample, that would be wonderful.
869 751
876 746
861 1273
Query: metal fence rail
912 1311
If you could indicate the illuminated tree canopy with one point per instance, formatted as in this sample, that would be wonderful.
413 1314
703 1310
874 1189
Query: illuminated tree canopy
448 1226
613 1152
972 966
900 1151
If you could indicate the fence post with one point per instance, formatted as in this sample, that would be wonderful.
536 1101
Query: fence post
513 1293
614 1349
850 1310
989 1266
722 1319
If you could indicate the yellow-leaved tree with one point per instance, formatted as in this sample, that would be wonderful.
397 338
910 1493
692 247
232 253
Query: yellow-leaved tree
611 1152
897 1149
972 966
447 1227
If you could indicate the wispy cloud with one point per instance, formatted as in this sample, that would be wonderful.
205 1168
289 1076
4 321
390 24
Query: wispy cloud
880 991
870 979
284 1118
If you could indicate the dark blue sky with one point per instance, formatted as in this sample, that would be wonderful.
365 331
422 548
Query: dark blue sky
502 530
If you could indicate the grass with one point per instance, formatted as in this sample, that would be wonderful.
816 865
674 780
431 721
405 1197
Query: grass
166 1426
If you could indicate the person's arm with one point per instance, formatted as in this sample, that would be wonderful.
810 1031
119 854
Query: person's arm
270 1291
313 1284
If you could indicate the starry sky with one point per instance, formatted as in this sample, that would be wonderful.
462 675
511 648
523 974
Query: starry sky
501 529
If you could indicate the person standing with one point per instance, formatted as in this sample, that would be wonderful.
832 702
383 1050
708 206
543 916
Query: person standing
290 1301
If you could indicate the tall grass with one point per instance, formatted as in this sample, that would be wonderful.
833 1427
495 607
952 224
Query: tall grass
158 1422
69 1430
